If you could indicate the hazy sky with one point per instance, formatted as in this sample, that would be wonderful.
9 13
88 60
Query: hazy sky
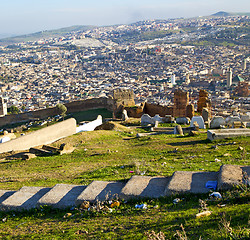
26 16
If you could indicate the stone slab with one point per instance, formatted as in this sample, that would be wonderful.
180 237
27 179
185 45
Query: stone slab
24 199
144 186
98 190
227 133
190 182
4 194
61 196
229 175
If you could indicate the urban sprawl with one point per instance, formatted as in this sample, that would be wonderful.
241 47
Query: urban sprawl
91 63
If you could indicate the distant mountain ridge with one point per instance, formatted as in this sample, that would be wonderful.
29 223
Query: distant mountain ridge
45 34
226 14
63 31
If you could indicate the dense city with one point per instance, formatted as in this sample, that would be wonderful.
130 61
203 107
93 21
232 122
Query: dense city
91 63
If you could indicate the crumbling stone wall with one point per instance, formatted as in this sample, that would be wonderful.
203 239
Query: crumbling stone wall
135 111
181 100
122 98
76 106
153 109
204 102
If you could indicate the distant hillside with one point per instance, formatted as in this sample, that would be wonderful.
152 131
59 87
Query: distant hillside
43 34
226 14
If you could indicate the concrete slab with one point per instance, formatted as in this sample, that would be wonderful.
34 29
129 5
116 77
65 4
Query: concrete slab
190 182
246 174
98 190
144 186
229 175
4 194
61 196
227 133
24 199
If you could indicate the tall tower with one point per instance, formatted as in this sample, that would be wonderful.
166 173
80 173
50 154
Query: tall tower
3 107
244 64
229 77
187 78
173 79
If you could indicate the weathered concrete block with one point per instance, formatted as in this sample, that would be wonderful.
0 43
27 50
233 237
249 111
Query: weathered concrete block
61 196
146 119
229 176
189 182
4 194
227 133
24 199
144 186
100 190
40 137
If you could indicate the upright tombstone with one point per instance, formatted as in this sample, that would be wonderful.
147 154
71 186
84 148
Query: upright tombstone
217 122
178 130
205 114
124 115
199 120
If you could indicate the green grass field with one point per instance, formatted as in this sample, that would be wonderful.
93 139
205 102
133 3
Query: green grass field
111 155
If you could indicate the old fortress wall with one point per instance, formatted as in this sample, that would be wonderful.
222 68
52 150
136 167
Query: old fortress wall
121 99
92 103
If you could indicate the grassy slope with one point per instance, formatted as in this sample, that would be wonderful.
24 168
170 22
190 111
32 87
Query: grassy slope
100 156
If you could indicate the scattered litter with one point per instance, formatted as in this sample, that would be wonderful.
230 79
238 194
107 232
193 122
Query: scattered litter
227 155
122 167
176 200
79 232
85 205
222 205
211 185
4 219
131 171
203 214
156 206
110 210
240 148
67 215
115 204
217 160
143 173
141 206
215 195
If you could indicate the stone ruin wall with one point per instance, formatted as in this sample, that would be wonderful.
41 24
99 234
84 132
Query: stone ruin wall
204 102
153 109
181 100
122 98
88 104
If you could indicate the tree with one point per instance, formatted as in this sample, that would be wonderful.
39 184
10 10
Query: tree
61 109
13 110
